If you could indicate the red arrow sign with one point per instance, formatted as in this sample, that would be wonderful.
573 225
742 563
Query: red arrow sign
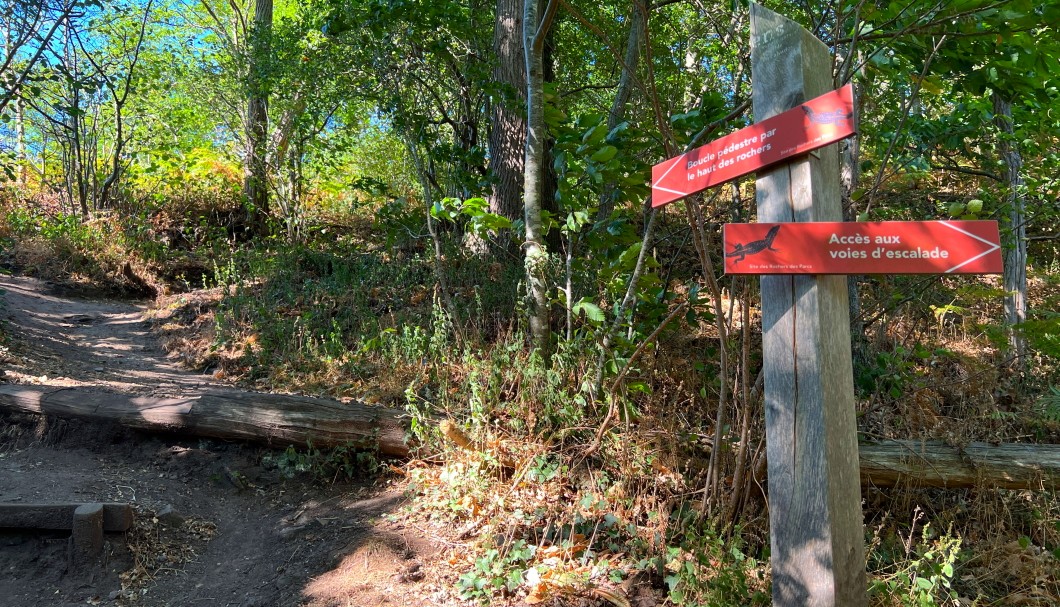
885 247
814 124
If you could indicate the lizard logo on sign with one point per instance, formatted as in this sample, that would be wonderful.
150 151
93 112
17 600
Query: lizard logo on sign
826 117
740 251
863 247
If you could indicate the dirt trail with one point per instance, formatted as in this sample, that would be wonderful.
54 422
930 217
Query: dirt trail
85 342
215 524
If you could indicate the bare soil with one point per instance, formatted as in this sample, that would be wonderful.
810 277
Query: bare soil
215 523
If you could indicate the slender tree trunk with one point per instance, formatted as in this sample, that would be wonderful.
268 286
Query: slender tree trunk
637 18
115 159
428 203
89 160
22 177
550 183
77 157
1015 273
534 175
74 168
120 99
15 81
20 119
507 141
849 159
255 175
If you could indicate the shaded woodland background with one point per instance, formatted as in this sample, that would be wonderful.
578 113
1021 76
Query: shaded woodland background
444 206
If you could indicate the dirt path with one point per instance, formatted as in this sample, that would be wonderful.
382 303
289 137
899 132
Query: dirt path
67 341
216 525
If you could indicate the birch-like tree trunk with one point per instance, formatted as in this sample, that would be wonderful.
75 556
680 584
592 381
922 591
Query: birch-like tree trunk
22 177
1015 272
534 167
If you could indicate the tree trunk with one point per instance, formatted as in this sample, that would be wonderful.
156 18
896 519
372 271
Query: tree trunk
255 174
120 99
849 170
534 174
637 20
507 142
115 165
30 39
428 204
76 168
76 185
1015 273
550 181
22 176
276 419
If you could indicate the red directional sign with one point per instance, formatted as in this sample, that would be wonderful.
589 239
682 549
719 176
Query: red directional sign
885 247
814 124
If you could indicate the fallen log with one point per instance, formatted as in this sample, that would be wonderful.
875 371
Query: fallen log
276 419
282 420
936 464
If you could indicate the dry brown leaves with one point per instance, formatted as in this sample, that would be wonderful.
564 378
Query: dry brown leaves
1030 572
159 547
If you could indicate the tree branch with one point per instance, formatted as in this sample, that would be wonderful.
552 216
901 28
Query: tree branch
546 23
14 90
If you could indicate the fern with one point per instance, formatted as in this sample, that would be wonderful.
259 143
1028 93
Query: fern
1050 405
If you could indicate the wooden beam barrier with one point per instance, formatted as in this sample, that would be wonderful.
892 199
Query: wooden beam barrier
910 463
276 419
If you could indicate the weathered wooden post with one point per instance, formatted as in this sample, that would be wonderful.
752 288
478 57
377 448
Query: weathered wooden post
802 248
818 554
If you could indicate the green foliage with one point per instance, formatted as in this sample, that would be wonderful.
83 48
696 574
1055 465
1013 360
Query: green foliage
1049 405
892 373
67 227
329 335
499 387
372 101
345 462
400 221
592 161
592 311
923 578
705 569
60 245
496 571
1043 333
475 214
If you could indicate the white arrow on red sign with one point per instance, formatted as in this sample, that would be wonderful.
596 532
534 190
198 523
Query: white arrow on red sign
814 124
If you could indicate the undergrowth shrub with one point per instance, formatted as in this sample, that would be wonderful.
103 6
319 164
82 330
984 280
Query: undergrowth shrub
703 568
125 251
344 462
916 575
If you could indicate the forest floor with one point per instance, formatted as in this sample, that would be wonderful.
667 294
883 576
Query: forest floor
214 524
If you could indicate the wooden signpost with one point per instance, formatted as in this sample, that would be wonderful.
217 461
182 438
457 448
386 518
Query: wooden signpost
801 247
816 531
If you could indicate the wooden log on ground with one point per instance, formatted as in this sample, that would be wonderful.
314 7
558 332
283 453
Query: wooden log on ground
936 464
116 517
275 419
284 420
